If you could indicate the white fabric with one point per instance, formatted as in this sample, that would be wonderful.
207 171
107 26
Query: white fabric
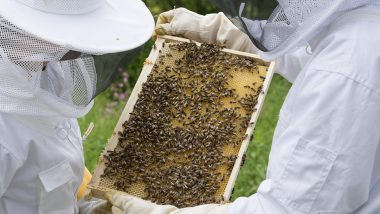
39 173
325 155
295 22
289 65
116 26
126 204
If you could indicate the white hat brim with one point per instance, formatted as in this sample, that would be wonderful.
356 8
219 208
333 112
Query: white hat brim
118 25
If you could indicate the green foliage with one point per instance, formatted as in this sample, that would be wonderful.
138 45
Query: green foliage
260 9
199 6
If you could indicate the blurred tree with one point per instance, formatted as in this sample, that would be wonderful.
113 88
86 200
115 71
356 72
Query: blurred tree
199 6
260 8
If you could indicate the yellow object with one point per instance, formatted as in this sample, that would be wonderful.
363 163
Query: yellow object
86 179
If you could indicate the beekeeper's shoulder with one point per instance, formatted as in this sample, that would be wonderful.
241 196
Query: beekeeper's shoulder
349 46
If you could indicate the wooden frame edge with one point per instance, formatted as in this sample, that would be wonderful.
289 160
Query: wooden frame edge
147 68
250 130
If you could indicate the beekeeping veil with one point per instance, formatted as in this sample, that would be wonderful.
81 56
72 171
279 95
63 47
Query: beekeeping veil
293 23
46 48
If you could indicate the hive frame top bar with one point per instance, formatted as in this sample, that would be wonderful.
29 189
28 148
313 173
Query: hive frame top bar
100 192
168 38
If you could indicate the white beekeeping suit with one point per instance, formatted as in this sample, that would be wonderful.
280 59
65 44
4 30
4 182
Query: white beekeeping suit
325 155
325 151
47 80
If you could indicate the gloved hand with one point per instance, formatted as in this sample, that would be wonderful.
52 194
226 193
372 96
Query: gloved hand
211 28
126 204
94 206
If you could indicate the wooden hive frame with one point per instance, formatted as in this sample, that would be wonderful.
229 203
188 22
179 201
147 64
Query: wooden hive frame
100 192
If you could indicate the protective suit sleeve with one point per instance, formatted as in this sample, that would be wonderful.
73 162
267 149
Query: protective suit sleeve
324 149
9 164
291 64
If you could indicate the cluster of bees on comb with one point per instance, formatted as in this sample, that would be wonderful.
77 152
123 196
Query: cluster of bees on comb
182 137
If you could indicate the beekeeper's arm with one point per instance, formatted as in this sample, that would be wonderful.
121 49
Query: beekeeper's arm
218 29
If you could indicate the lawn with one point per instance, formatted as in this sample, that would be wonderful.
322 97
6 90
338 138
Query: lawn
251 174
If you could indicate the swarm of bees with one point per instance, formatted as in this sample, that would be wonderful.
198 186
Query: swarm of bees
186 117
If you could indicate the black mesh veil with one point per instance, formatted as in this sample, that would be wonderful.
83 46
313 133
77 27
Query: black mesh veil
107 65
237 11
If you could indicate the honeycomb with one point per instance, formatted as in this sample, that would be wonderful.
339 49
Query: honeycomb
238 81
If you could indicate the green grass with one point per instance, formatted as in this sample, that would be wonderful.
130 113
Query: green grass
251 174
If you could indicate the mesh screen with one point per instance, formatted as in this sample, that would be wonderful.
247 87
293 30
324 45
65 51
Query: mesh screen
63 7
107 65
60 89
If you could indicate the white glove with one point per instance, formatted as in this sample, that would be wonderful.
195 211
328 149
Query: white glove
95 206
126 204
211 28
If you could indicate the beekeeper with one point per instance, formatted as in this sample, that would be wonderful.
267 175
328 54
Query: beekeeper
325 155
47 80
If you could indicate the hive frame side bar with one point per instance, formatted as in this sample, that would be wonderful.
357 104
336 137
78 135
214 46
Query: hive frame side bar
113 141
249 132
